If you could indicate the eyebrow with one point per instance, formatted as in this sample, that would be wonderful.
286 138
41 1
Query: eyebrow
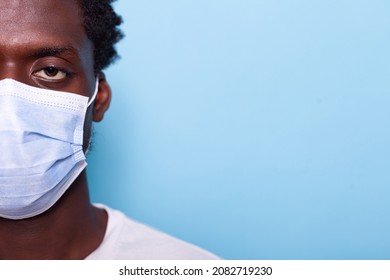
53 51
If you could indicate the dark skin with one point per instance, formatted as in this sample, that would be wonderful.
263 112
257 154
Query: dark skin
43 44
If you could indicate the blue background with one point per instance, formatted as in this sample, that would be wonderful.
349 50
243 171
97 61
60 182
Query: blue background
254 129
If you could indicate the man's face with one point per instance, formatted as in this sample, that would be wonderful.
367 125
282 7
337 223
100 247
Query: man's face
43 43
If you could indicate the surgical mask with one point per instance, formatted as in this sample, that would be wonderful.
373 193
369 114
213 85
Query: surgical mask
41 146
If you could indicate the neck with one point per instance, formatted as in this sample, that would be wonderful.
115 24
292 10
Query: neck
71 229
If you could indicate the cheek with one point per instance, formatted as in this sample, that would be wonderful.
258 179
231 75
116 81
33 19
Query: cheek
87 128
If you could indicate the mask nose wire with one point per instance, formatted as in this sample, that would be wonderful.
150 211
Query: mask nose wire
95 92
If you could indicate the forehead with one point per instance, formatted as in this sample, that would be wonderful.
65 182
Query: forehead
26 23
36 9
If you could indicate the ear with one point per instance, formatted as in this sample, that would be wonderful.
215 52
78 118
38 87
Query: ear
103 98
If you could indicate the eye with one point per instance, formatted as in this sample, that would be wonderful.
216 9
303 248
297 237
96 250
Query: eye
51 73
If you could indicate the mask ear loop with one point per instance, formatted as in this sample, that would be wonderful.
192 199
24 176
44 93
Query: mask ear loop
95 92
89 103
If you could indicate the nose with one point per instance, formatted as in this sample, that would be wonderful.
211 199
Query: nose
12 69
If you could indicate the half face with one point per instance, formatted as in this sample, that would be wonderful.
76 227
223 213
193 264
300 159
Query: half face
43 43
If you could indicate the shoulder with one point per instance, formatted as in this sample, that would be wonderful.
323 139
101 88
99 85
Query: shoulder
126 238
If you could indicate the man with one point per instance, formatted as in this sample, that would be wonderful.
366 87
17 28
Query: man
52 53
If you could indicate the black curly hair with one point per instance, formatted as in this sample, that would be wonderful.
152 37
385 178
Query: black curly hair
101 25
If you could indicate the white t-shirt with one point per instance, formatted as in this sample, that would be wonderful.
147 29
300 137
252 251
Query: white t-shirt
126 239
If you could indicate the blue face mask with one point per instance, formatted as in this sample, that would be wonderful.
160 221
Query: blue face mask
41 152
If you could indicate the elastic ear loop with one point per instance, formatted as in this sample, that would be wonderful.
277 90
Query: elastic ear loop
89 103
95 92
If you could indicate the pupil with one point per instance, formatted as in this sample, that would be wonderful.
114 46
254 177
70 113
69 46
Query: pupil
51 71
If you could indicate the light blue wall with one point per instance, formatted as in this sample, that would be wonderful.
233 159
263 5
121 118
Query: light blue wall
257 129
